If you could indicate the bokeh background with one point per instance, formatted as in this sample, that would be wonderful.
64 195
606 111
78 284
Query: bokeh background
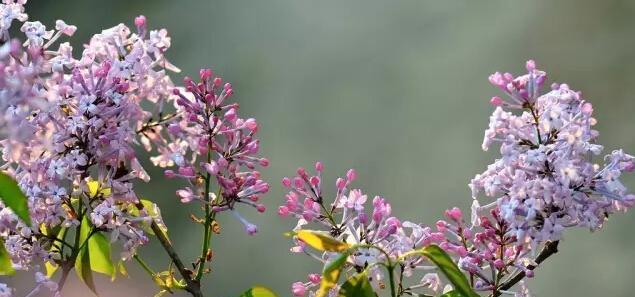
397 90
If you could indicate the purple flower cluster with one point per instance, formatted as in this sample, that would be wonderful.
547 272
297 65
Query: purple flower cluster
544 182
70 126
205 140
546 179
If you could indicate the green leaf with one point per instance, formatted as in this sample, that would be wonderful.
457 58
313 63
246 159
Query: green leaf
93 256
331 274
452 294
83 271
357 286
321 242
449 269
6 267
100 261
13 198
258 292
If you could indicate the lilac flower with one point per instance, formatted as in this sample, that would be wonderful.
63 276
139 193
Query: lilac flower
207 140
545 180
70 130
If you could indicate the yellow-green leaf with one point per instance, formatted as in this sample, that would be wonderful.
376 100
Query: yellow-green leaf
331 275
94 188
449 269
322 242
6 267
94 255
122 269
258 292
13 198
357 286
100 261
83 271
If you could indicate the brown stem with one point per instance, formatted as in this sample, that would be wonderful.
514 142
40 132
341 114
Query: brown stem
193 286
66 269
551 247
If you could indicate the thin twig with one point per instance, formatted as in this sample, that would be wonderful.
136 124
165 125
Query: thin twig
551 247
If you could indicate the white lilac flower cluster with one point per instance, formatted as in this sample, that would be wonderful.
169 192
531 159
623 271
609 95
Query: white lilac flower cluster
544 182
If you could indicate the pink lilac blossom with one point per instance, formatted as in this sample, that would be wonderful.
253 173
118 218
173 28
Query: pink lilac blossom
355 219
544 182
207 140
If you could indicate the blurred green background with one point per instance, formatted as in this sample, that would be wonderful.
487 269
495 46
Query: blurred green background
397 90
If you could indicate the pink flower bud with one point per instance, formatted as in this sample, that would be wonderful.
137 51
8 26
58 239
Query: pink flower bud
351 175
251 124
442 225
530 65
218 81
301 172
298 182
186 195
283 211
340 183
496 101
186 171
140 21
454 214
315 181
286 182
461 251
261 208
298 289
314 278
205 73
319 167
499 264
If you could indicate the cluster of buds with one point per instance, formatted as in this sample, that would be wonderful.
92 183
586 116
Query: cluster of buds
207 141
